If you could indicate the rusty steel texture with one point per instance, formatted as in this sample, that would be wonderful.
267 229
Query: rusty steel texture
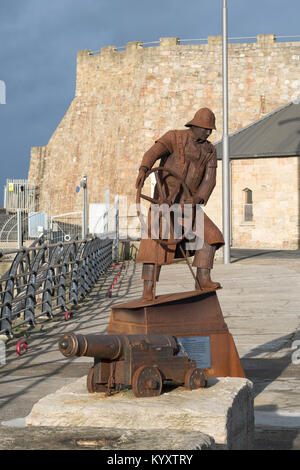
186 175
147 382
143 362
195 378
185 314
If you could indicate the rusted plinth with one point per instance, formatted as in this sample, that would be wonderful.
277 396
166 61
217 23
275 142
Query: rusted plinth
187 314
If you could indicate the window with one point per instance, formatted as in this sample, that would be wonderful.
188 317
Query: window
248 205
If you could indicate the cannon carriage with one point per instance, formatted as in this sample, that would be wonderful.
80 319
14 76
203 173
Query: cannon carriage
144 362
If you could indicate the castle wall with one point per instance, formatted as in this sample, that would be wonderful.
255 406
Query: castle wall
124 100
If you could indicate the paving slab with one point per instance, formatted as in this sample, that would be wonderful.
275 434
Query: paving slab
260 292
89 438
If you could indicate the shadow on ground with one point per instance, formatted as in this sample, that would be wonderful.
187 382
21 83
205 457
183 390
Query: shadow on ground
262 371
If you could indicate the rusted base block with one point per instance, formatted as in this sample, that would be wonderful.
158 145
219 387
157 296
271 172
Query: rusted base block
188 314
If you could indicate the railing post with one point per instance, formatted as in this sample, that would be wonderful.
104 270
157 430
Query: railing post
116 247
19 228
48 293
83 184
83 282
8 297
30 302
73 295
6 313
61 290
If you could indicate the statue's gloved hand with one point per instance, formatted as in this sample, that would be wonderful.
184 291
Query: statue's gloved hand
141 177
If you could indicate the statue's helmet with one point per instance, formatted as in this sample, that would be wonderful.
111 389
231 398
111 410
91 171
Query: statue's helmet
203 118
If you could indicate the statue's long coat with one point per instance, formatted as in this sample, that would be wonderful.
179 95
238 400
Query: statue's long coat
196 163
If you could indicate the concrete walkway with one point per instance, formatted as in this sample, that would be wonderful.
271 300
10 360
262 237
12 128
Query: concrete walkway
260 304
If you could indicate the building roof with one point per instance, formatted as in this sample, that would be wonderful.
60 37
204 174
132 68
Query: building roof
277 134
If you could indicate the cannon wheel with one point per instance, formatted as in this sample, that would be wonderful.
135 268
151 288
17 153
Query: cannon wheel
92 386
147 382
195 378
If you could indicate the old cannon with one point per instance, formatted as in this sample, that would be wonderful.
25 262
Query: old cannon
141 361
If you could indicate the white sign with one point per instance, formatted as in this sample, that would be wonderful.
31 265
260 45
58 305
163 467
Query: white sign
2 353
98 218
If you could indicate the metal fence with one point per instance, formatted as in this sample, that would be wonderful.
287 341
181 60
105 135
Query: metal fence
21 228
19 194
8 231
46 278
65 227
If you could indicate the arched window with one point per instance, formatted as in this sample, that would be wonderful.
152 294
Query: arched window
248 205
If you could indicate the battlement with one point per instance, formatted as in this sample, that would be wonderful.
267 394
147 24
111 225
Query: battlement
170 42
137 58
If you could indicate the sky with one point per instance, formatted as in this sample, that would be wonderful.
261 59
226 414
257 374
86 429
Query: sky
39 40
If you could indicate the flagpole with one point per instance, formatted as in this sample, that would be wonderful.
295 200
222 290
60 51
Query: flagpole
225 161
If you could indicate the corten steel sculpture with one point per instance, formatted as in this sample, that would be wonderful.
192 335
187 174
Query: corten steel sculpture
141 361
186 175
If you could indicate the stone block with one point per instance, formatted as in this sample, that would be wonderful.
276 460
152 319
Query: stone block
108 51
223 410
266 39
84 53
214 40
167 42
133 46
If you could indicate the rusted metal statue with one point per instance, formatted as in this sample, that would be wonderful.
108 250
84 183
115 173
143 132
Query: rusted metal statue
186 175
141 361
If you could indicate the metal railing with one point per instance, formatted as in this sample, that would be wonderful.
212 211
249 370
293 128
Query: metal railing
45 278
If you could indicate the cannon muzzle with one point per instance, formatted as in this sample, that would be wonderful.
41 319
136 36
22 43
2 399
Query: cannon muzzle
105 347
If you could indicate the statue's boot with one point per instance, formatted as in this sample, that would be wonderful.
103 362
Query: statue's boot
148 276
204 260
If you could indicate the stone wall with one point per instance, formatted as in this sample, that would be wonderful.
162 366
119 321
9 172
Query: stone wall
274 183
126 99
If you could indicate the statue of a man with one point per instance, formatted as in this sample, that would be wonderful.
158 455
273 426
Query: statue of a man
189 154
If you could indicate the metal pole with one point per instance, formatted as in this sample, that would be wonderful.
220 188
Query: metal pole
83 184
226 160
117 229
19 228
106 216
4 197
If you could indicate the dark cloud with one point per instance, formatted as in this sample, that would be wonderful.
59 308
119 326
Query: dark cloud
39 40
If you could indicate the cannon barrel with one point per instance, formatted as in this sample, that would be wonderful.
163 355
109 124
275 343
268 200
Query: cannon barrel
112 347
